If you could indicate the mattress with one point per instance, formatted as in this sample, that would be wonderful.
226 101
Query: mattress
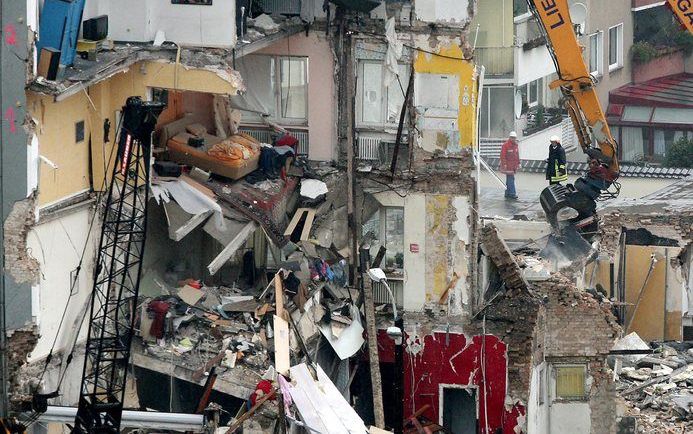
232 158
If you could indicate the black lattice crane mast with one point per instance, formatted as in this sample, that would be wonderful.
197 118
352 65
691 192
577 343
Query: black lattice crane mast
117 274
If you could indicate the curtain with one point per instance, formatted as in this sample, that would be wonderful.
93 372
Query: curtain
632 143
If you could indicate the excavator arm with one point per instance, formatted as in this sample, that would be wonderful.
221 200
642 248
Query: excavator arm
575 82
683 9
571 209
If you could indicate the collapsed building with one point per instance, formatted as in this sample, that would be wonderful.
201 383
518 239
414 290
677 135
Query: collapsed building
295 155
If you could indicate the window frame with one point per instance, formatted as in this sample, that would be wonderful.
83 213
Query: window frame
382 234
278 88
555 367
619 47
275 73
528 92
598 55
486 92
384 95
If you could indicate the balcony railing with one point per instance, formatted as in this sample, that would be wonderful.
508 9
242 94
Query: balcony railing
496 60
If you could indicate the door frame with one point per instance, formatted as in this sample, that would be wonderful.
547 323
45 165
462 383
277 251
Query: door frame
441 401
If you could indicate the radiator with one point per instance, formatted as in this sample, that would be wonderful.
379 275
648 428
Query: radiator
369 148
287 7
265 136
381 296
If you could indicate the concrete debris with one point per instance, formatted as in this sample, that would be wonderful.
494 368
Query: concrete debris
631 342
313 188
657 387
264 23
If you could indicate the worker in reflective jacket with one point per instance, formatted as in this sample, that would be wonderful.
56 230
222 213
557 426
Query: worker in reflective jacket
555 167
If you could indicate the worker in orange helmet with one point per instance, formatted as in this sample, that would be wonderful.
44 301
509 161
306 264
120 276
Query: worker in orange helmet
509 163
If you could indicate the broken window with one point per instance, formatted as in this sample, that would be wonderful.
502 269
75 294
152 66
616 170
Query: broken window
387 226
378 104
570 381
279 84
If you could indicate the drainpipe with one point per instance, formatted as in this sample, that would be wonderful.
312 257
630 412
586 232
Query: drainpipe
4 402
399 381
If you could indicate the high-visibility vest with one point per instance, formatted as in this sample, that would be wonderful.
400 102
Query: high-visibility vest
560 174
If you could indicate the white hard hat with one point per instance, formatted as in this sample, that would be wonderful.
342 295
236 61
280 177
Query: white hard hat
555 138
513 134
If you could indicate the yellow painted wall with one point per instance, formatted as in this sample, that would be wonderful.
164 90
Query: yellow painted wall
56 121
601 274
56 134
450 63
650 320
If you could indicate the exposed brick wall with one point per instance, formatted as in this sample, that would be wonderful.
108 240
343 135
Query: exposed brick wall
514 320
496 248
20 343
576 323
668 224
551 320
581 329
18 262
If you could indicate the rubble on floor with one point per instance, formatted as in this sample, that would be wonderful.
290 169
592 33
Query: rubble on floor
259 328
656 383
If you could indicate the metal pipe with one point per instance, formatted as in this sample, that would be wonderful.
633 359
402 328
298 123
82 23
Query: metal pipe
133 419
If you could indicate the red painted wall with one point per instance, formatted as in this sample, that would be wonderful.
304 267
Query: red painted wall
459 363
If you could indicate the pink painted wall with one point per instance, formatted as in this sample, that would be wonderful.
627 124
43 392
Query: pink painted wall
669 64
460 363
322 103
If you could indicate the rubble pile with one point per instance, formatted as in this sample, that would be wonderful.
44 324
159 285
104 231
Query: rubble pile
656 384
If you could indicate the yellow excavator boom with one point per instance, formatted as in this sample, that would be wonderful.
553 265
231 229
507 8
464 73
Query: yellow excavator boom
575 82
683 9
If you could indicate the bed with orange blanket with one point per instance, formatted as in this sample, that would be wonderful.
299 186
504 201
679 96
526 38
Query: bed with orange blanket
233 157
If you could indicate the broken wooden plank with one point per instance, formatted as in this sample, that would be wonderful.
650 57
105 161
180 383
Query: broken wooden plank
310 216
295 220
282 358
279 294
